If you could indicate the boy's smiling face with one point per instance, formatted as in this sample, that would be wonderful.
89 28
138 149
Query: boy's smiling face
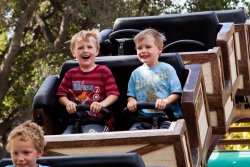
147 51
85 51
24 153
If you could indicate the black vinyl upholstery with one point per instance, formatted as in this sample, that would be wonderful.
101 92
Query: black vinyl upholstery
108 160
236 16
105 45
200 26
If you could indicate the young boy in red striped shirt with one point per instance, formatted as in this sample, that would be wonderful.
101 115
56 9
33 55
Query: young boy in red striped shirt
89 83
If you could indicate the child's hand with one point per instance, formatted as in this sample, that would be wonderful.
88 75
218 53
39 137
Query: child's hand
160 104
132 105
71 107
96 107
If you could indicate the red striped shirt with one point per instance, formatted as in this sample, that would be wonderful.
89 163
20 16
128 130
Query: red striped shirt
87 87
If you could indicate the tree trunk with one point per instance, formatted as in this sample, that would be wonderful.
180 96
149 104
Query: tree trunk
5 68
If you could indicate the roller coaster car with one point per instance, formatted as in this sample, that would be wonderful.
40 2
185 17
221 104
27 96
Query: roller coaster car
242 36
221 49
110 160
162 147
242 45
200 39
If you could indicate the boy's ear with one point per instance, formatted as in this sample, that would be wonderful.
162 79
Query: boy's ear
73 53
98 51
160 48
40 152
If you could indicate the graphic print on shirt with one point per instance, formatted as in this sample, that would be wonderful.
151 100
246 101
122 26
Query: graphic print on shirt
84 97
96 91
150 88
151 79
151 97
89 93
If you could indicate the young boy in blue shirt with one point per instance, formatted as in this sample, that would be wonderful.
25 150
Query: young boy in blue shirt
154 81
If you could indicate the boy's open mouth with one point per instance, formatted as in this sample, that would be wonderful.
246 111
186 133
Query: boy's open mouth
86 57
144 56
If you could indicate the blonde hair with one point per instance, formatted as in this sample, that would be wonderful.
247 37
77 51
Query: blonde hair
85 35
28 131
159 37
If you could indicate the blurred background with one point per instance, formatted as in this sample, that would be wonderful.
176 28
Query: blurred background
34 41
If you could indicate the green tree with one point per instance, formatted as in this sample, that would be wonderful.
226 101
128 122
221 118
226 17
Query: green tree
34 43
34 40
206 5
41 29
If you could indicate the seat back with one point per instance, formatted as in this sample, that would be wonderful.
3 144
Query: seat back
234 15
122 70
107 160
105 45
201 26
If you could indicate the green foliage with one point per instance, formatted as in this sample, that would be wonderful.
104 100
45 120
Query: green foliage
3 41
38 58
29 71
238 135
205 5
148 7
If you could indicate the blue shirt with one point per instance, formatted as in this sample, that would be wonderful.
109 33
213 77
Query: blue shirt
158 82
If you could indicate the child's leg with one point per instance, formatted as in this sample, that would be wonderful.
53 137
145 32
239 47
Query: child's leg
165 124
141 126
94 128
110 123
68 130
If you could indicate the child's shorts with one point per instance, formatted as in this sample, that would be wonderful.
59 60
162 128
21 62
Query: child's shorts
154 124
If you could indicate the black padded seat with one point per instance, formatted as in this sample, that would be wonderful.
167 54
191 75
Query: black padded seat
122 70
108 160
105 45
236 16
200 26
121 67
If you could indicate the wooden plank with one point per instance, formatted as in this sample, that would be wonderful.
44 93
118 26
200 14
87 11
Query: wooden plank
233 142
218 91
242 42
239 129
167 147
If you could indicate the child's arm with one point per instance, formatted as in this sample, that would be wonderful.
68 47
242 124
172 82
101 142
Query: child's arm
70 105
96 106
162 103
132 104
